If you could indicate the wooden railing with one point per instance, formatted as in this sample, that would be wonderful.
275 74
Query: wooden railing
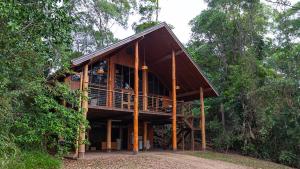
124 99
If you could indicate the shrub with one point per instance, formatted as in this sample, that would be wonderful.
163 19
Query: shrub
34 160
288 158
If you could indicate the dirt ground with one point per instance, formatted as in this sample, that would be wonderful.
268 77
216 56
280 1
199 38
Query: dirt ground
145 160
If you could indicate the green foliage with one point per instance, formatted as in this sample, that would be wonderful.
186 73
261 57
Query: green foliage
35 41
288 158
94 19
257 77
146 10
34 160
143 26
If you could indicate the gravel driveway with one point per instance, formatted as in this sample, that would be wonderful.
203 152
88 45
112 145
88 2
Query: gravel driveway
156 160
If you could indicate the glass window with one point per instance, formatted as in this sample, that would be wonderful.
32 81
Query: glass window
119 78
150 83
75 78
98 73
124 78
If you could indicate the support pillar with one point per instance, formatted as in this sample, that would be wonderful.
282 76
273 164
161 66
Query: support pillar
108 135
145 136
203 145
174 127
111 73
192 140
84 104
136 99
78 129
145 87
183 141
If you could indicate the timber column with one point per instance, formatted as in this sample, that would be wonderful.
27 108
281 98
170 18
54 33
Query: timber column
84 103
174 127
203 145
111 73
76 155
145 135
145 87
108 135
136 99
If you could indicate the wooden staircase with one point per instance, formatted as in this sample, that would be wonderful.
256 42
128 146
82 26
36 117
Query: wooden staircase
188 127
186 131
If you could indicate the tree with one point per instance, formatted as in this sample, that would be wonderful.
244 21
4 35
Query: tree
35 41
94 20
146 9
230 44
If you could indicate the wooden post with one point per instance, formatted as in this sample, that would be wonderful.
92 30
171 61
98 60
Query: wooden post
174 132
192 140
108 135
183 141
121 136
202 120
129 139
145 88
136 100
145 136
84 104
111 72
79 107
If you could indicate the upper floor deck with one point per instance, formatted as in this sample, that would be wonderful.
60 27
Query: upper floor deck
110 87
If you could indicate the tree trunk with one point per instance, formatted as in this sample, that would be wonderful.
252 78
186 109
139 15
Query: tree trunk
222 115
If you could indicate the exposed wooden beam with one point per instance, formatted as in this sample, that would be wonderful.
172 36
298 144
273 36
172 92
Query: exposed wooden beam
84 104
174 127
166 57
203 145
194 92
136 99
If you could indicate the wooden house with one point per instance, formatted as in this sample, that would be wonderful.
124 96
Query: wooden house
136 83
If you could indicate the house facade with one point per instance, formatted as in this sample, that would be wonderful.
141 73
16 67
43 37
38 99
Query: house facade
140 82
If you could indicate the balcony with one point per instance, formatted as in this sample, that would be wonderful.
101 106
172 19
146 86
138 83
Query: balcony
123 100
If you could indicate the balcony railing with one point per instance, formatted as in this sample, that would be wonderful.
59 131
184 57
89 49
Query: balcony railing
124 99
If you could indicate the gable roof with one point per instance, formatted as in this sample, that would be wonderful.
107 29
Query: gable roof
161 38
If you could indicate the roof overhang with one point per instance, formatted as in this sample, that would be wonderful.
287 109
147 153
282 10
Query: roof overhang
155 47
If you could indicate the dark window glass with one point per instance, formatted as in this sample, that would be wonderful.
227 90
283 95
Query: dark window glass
126 73
124 78
150 83
75 78
140 81
119 79
155 84
98 73
131 78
